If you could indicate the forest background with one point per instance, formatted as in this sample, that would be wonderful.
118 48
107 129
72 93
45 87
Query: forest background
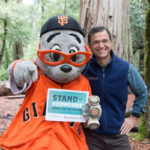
21 21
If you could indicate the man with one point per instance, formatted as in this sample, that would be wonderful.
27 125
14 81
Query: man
109 78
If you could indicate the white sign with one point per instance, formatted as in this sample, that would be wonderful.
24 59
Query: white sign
65 105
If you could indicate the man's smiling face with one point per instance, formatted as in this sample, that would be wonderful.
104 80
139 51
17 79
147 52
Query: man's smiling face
100 45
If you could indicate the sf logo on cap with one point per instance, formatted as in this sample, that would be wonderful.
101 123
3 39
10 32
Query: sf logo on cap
62 20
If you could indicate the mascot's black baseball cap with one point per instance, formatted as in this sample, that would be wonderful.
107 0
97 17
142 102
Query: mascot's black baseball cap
61 22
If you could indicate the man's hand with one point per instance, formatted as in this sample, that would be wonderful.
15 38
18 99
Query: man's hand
128 124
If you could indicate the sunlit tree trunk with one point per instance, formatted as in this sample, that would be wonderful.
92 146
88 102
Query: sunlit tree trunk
147 66
113 14
17 48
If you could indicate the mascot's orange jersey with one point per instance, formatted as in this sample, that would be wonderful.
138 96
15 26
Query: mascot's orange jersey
30 131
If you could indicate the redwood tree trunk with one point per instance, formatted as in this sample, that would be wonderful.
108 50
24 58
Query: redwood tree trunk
113 14
147 66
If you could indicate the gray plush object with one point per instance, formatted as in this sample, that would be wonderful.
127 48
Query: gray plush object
66 44
26 71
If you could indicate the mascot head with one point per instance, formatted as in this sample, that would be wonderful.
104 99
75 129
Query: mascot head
62 53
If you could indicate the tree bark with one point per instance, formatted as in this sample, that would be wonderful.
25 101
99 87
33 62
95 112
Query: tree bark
147 67
4 40
113 14
18 50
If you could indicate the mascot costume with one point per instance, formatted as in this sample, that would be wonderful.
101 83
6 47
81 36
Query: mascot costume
62 55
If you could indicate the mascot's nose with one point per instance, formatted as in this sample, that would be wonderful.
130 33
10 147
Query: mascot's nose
65 68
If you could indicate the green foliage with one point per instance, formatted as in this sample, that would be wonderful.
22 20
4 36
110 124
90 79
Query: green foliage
19 19
142 131
73 8
59 7
19 26
137 18
3 74
25 21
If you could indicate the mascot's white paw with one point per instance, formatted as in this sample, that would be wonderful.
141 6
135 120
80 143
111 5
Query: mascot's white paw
23 72
92 112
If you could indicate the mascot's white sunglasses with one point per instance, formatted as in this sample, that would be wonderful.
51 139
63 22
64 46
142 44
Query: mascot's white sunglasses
55 57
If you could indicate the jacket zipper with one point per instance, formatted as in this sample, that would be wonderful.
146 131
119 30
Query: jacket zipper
103 76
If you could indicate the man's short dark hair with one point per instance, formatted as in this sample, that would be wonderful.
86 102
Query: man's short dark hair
97 29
